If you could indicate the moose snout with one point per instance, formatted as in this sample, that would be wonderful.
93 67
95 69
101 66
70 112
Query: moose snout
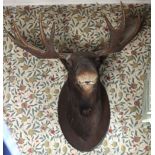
87 78
87 82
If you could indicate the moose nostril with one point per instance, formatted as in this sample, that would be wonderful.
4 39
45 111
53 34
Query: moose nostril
87 82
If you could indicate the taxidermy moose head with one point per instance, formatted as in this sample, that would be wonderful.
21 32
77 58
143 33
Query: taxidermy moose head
83 106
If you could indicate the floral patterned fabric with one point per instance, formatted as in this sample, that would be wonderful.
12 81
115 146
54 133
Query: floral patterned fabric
32 86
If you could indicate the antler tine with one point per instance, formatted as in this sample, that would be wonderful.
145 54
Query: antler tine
110 27
119 37
52 32
17 34
13 38
42 33
122 25
47 43
19 40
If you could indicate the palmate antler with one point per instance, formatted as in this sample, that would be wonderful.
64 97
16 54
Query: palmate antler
119 37
37 52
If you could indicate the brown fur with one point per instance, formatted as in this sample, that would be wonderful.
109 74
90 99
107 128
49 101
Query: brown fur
83 110
87 115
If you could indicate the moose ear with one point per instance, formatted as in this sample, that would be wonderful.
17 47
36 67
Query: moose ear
67 63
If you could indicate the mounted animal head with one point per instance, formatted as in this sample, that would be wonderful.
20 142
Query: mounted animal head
82 62
83 116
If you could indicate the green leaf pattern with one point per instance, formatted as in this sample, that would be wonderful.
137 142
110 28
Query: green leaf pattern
32 86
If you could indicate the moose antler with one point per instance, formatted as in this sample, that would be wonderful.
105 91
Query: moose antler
119 37
39 53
